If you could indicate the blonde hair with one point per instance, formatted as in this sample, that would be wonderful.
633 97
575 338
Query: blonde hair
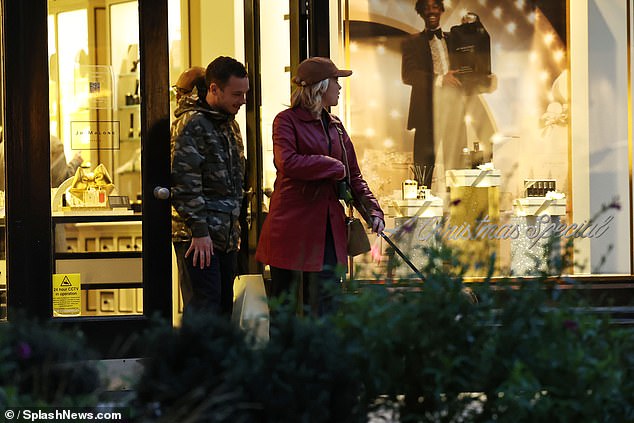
309 97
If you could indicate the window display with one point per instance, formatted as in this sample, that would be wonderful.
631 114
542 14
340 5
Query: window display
479 111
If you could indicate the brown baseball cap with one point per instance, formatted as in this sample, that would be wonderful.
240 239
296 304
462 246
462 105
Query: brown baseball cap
316 69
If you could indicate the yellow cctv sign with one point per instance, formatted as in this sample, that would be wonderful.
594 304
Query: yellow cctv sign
66 294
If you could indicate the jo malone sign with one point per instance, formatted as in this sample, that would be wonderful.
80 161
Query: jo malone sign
95 135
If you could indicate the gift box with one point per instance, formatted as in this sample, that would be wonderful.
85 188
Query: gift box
89 189
470 52
530 257
431 207
536 206
408 225
411 235
475 200
534 256
473 178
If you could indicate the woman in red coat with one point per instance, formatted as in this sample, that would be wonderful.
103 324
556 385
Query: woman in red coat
304 234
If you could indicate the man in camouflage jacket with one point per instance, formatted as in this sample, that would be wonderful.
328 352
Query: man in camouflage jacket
207 187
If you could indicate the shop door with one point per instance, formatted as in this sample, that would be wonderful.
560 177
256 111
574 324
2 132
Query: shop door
101 227
109 109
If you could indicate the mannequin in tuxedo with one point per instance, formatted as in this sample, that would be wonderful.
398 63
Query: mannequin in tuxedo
436 109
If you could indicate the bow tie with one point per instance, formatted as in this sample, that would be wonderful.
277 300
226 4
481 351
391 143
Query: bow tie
436 32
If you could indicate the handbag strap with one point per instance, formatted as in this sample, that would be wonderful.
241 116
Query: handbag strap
345 163
360 206
345 155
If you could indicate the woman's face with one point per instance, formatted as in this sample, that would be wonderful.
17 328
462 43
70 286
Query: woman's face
331 96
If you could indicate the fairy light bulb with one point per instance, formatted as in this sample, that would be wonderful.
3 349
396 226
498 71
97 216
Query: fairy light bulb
549 38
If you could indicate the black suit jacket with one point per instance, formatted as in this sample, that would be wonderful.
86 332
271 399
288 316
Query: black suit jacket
417 70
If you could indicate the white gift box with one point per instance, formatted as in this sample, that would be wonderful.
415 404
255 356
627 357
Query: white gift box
432 207
411 235
531 257
537 206
473 178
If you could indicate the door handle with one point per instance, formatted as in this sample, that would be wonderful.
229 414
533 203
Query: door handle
161 193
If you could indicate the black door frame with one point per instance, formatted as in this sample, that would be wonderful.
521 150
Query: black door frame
27 157
28 211
310 30
254 191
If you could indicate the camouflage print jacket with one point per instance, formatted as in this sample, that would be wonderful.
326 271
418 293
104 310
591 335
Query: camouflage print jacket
207 175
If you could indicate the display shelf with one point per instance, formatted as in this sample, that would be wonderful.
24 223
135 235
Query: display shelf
100 286
105 249
98 255
86 217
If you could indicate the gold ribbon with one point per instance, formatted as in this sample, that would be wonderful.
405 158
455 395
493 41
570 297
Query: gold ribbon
99 179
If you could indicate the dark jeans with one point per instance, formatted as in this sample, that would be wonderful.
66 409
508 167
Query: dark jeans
210 288
316 286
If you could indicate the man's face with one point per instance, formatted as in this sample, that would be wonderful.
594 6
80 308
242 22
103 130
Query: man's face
431 14
231 97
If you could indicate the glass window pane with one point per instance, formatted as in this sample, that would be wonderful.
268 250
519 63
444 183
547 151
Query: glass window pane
275 73
509 130
95 158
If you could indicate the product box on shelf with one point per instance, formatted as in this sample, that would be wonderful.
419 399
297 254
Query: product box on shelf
531 256
473 178
539 187
475 197
431 207
536 206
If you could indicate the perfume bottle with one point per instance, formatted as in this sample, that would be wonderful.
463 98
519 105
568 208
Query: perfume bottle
410 189
466 158
477 155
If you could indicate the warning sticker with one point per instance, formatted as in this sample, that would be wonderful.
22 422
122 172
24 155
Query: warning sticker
67 294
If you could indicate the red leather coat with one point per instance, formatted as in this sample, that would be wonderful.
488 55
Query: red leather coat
305 192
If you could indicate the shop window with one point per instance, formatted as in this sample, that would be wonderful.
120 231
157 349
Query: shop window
95 139
275 73
526 161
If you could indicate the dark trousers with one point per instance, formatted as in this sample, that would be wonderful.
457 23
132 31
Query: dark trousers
316 287
210 288
424 153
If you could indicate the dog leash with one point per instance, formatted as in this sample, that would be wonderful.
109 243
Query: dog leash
403 256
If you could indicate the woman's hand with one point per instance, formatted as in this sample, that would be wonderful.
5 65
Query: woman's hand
377 225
